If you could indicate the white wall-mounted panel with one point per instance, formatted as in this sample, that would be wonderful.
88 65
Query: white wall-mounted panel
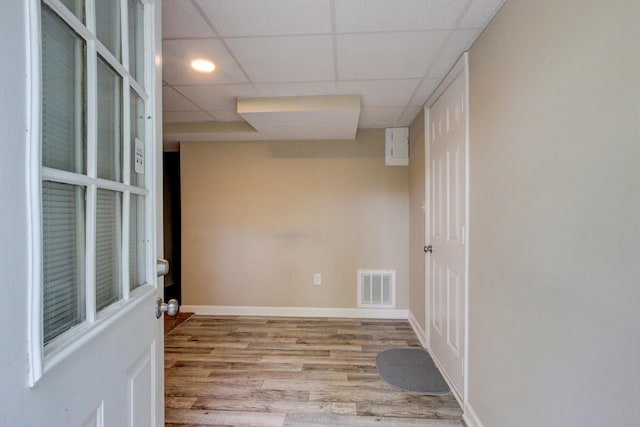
396 146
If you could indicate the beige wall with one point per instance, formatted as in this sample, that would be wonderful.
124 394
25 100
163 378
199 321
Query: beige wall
416 220
260 218
554 277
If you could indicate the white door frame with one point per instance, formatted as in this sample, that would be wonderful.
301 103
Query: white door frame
462 66
157 135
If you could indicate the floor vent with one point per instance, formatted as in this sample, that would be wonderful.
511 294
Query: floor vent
377 288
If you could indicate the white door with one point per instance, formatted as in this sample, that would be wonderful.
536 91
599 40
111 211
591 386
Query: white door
79 97
447 136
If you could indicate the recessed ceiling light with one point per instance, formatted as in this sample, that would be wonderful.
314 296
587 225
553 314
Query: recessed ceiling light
203 65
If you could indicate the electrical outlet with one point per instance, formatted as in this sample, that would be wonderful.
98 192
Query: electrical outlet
317 279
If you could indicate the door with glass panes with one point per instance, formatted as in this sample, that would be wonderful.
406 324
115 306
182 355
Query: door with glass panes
95 344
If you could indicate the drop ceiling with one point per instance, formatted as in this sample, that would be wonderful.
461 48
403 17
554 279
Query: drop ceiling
318 68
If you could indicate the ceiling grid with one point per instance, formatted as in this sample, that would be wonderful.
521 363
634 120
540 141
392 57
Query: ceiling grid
392 53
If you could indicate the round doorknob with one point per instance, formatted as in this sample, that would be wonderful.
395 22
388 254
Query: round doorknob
171 308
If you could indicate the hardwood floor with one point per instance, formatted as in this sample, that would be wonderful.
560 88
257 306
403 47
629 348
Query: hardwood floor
266 371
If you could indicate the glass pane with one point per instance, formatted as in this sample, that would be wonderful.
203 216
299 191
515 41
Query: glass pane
137 246
108 248
109 123
63 258
108 25
137 140
75 6
136 41
63 95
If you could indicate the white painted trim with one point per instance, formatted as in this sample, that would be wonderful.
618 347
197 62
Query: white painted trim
470 417
467 220
33 131
427 224
418 329
152 11
363 313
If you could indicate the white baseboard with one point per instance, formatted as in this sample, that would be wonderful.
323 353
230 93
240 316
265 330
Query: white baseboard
470 417
418 330
363 313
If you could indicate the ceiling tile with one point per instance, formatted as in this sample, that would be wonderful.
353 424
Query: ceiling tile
425 90
216 97
391 15
460 41
185 117
388 56
409 115
379 117
178 54
285 59
296 89
393 53
268 17
380 93
173 100
180 20
480 12
300 117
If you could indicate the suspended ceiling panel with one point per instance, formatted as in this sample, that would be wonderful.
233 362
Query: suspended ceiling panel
303 117
393 53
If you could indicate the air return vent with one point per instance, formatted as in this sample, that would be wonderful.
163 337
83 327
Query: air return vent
377 288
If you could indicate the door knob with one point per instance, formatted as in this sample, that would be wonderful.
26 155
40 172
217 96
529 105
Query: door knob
171 308
428 249
162 267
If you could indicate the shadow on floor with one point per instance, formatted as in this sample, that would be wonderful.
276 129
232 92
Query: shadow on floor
171 322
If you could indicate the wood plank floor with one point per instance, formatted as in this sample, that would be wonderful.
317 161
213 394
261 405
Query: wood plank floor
266 371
